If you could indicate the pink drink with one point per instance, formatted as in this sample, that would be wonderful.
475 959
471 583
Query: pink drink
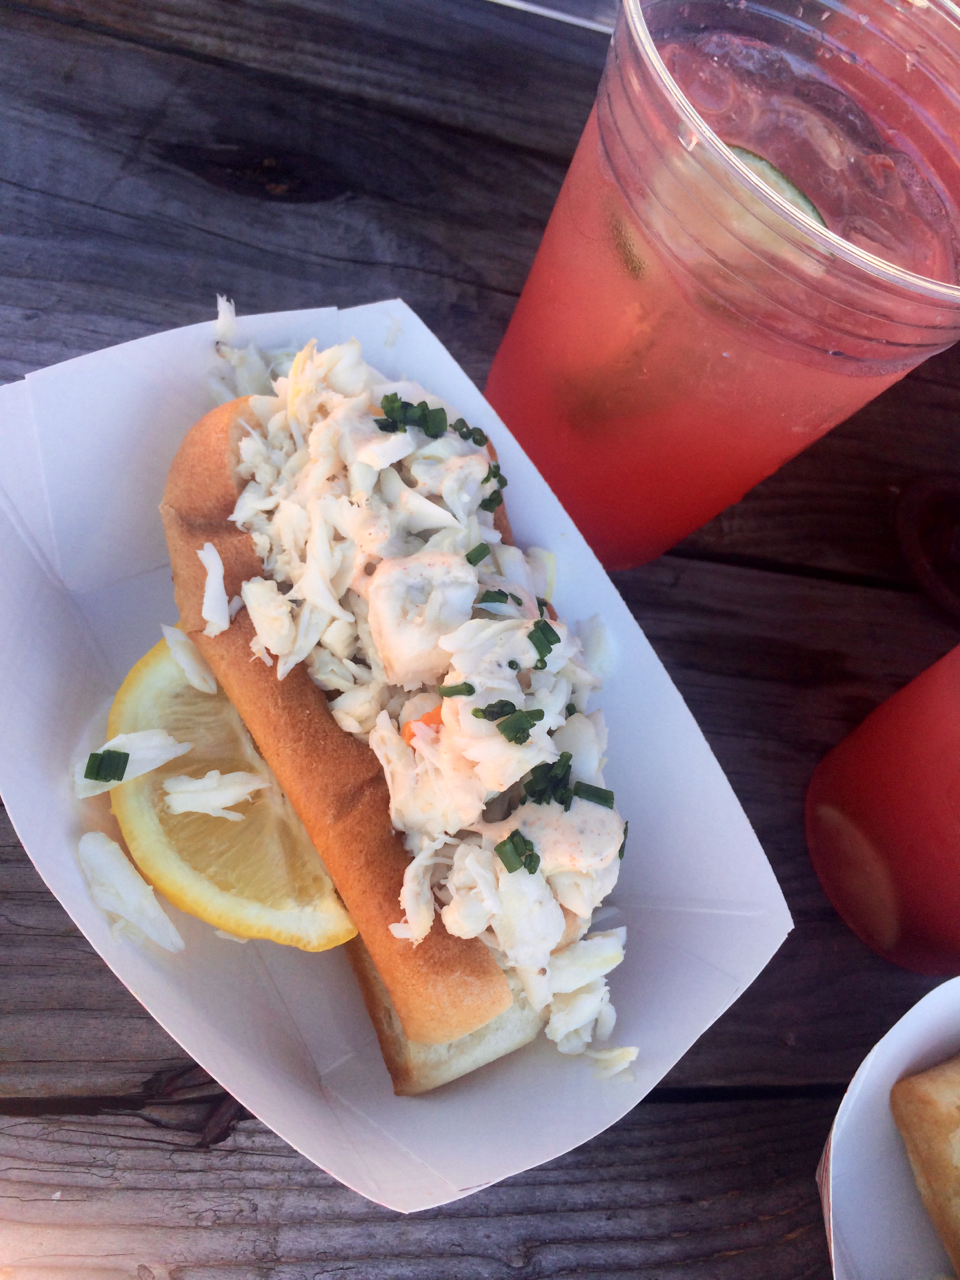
883 824
683 330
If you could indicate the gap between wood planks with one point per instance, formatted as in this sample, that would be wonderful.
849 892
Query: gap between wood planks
152 1099
767 564
495 51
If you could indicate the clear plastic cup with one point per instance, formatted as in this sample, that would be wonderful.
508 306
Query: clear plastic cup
687 326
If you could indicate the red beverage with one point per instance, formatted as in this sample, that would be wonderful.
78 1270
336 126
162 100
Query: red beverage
685 329
883 824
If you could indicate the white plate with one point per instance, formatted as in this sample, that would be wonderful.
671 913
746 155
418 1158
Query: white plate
878 1226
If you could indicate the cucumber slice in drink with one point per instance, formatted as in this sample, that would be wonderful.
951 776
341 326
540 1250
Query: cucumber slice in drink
775 180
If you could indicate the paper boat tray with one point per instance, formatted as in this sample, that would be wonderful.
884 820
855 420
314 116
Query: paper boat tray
85 585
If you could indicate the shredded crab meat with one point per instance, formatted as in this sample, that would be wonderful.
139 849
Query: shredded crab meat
118 889
213 793
372 507
147 749
190 660
215 609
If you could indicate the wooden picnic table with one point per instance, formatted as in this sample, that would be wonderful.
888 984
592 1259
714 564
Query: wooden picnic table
320 152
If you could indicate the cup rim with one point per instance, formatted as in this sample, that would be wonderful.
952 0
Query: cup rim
820 236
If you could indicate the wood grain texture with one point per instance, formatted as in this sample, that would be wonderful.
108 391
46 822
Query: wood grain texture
67 1025
710 1191
127 206
477 66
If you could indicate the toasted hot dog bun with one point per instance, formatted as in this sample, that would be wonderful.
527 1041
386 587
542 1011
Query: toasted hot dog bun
441 990
417 1068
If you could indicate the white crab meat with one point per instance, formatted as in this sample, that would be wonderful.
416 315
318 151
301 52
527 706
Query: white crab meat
413 601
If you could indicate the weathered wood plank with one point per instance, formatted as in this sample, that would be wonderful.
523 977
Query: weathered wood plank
676 1192
495 71
67 1025
777 669
129 202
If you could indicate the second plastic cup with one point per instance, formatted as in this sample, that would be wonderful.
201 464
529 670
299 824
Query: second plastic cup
883 824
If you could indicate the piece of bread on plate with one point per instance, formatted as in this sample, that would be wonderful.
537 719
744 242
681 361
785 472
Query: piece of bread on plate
926 1109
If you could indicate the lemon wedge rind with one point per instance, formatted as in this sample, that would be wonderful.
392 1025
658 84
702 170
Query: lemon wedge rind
258 878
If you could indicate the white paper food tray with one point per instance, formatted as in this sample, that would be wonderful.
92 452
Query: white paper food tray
84 589
876 1224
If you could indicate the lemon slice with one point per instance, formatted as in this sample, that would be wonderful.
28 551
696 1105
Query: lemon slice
771 176
258 878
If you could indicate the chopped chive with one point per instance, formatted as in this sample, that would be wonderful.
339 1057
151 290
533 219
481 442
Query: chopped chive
537 786
571 708
547 632
495 710
113 765
434 423
561 766
623 842
394 410
516 727
477 436
493 473
493 597
598 795
516 599
540 643
508 855
106 766
513 664
542 605
516 852
400 414
477 553
416 413
543 637
549 781
491 503
464 690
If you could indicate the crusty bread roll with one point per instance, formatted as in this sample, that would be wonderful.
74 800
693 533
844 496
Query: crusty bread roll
926 1108
443 989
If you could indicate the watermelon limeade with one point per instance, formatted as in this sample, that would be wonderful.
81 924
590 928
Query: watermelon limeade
883 824
675 344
